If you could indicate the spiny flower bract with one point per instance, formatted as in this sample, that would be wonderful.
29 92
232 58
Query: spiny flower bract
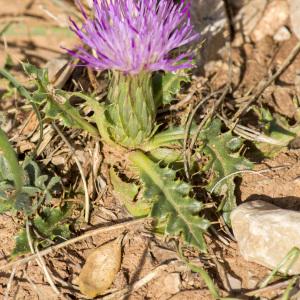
133 36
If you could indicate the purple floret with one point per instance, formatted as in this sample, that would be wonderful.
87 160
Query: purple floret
133 36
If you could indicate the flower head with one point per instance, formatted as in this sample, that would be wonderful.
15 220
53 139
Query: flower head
133 36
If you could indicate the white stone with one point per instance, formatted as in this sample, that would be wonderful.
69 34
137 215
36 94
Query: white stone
209 19
265 233
235 283
283 34
275 16
295 16
257 18
172 283
249 15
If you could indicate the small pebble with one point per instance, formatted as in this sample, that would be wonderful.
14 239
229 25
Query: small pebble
266 233
275 16
283 34
235 283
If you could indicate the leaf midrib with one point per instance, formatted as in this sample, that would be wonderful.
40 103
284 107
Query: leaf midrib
143 162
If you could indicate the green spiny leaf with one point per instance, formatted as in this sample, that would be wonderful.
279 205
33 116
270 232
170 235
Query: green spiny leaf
100 119
21 245
12 161
126 193
40 76
166 155
32 172
165 86
5 203
58 107
21 89
5 174
9 63
49 225
35 186
224 164
164 139
277 128
23 203
54 181
54 102
171 201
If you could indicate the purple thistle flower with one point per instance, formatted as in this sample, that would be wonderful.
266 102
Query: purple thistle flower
136 35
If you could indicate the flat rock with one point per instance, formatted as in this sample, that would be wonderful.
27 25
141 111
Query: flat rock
266 233
249 15
275 16
283 101
295 16
209 19
282 34
165 286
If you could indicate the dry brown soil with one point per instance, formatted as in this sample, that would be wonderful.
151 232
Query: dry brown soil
35 36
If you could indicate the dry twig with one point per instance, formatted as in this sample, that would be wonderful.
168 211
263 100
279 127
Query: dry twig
210 114
40 260
142 282
9 283
84 236
265 83
187 132
33 285
85 187
269 288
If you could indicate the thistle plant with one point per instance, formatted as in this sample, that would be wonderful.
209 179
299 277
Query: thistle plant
133 39
137 41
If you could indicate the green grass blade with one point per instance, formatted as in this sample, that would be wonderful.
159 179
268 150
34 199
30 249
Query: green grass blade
23 92
286 294
204 275
11 157
287 261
